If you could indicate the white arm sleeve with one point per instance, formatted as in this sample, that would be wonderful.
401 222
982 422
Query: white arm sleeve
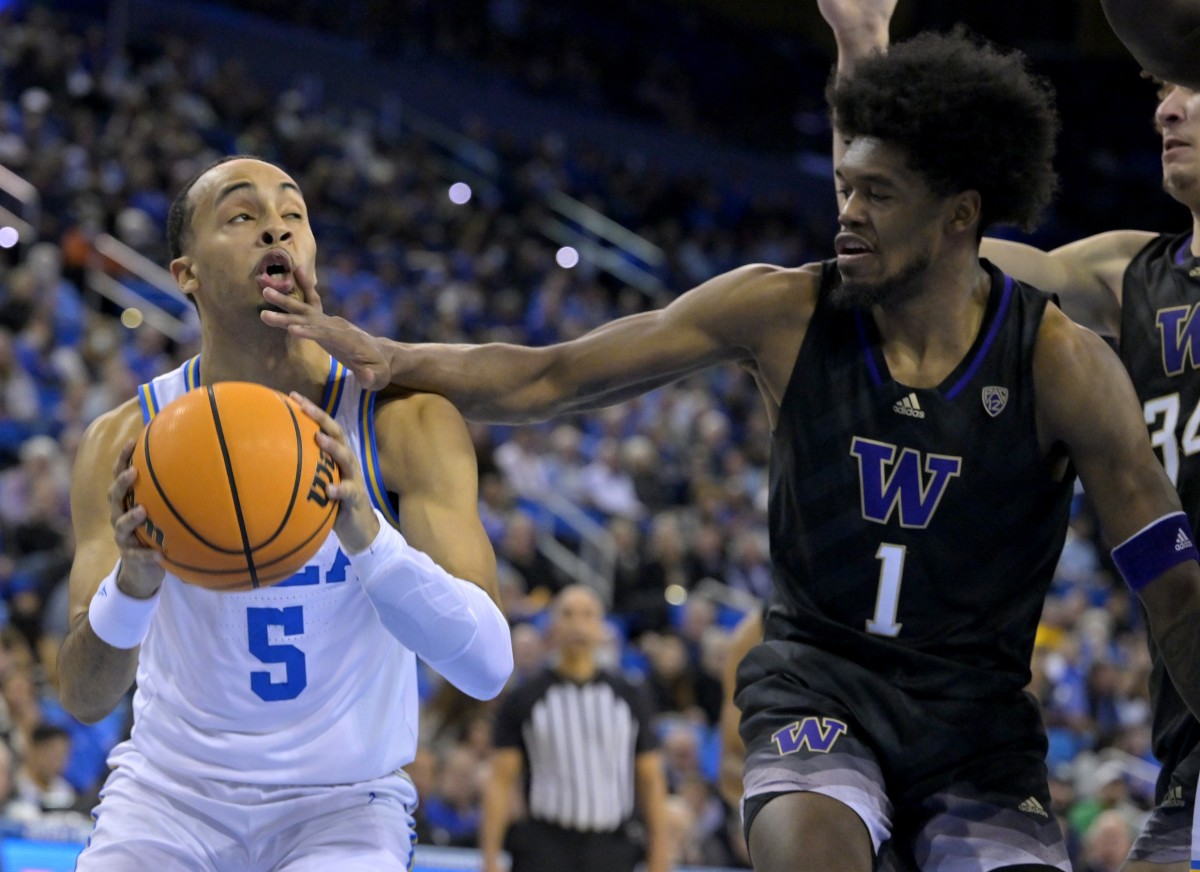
449 623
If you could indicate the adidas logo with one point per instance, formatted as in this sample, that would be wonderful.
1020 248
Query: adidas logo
1032 806
1174 797
908 406
1182 542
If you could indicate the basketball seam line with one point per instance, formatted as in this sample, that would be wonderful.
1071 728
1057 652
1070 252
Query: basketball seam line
299 471
262 566
162 492
237 504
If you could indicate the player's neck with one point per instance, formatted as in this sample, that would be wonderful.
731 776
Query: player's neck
928 334
577 666
281 362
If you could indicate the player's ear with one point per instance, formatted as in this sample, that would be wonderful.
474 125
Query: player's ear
185 276
964 211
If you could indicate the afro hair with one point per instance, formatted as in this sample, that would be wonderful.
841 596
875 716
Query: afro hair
966 116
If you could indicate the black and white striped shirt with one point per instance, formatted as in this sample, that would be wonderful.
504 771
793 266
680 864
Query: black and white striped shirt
579 741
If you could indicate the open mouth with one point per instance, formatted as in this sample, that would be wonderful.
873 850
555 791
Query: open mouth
849 245
1173 143
275 271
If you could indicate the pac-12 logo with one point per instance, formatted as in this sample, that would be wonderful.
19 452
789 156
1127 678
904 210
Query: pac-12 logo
890 476
995 398
813 734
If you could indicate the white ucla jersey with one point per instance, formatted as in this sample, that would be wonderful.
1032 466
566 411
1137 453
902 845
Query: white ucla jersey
296 683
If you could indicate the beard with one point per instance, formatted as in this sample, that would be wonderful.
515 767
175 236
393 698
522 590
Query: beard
888 291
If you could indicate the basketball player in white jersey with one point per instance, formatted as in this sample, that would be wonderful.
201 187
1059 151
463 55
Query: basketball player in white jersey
270 726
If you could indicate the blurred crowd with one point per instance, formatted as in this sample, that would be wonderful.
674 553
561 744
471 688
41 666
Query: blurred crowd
673 484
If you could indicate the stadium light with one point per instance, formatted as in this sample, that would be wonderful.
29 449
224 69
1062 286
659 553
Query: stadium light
566 257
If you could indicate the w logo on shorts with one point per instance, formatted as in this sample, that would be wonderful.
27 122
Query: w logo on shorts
813 734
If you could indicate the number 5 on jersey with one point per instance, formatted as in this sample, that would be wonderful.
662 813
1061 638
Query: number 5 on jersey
290 622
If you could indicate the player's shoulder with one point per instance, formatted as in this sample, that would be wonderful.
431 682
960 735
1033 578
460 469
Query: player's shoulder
108 432
423 442
101 444
414 410
758 305
1066 353
420 425
781 282
1058 331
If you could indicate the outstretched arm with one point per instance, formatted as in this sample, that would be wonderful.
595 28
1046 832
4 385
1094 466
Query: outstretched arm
1087 275
716 322
1087 403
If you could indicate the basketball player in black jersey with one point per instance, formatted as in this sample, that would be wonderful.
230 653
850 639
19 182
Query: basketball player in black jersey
1141 290
929 415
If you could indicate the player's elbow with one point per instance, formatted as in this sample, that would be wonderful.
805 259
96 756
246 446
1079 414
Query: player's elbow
482 670
81 705
491 674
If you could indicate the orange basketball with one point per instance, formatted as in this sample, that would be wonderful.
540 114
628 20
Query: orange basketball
234 486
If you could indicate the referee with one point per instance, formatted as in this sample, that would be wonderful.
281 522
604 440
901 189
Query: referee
585 738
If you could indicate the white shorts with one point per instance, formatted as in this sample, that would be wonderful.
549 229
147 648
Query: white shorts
147 820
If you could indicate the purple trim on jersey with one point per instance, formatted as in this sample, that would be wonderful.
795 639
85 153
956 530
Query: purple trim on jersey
876 379
993 329
1185 252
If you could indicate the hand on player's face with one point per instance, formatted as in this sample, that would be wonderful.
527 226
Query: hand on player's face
141 567
305 318
356 524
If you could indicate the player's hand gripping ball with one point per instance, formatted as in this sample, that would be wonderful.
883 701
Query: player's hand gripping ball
234 486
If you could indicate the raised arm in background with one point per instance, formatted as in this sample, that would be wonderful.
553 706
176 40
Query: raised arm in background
1086 275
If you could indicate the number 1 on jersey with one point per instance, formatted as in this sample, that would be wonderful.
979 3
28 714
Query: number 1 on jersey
887 600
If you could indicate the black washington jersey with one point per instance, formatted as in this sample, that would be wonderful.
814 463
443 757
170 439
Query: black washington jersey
915 531
1160 346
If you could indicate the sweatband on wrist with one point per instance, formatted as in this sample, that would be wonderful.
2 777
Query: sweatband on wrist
450 623
1154 549
116 617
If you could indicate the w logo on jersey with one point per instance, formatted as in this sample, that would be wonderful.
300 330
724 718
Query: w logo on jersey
813 734
1179 330
915 486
